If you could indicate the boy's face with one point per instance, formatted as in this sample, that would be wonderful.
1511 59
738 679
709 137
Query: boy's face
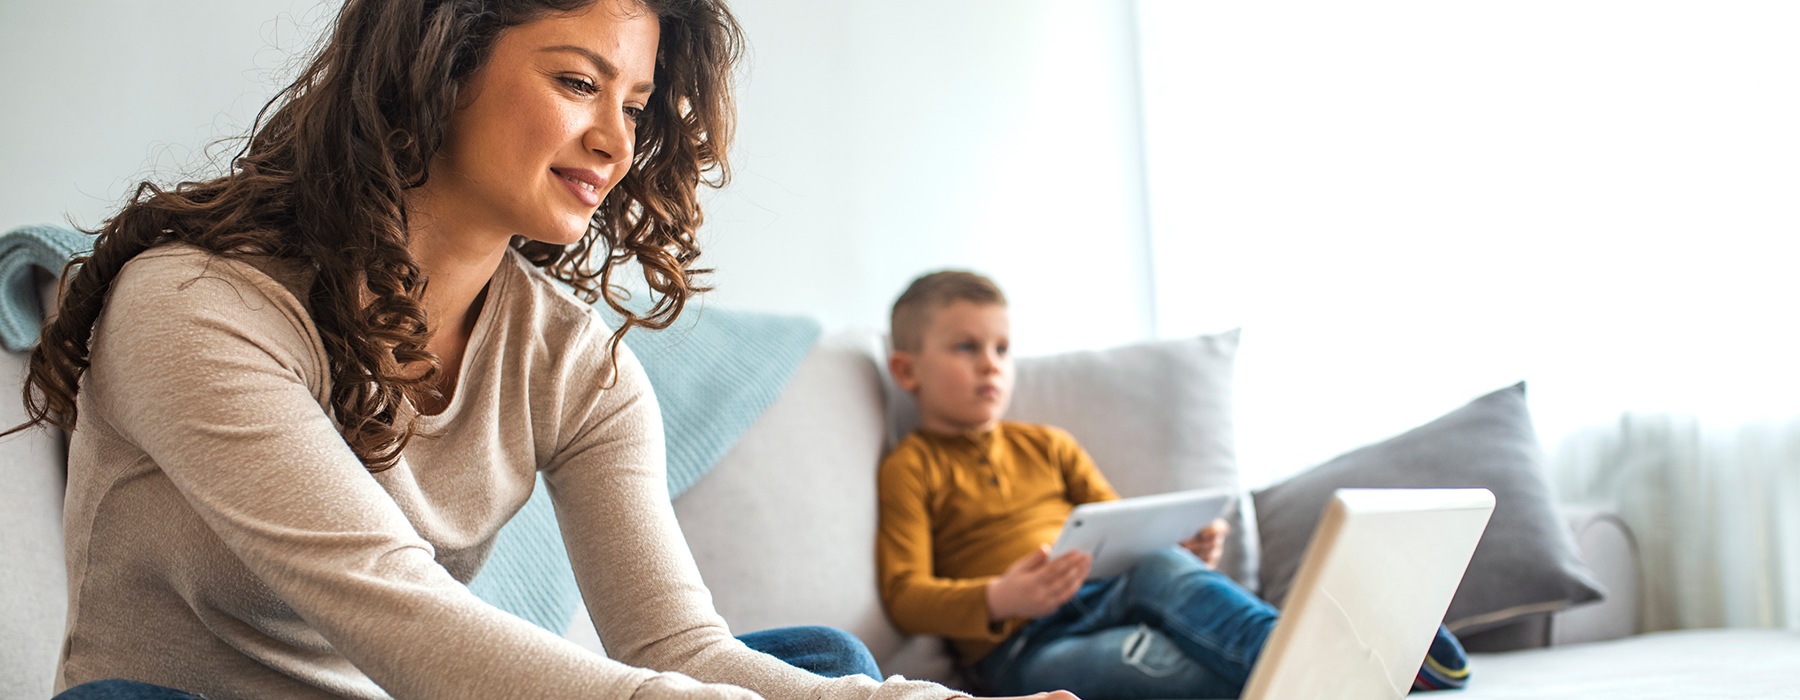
961 375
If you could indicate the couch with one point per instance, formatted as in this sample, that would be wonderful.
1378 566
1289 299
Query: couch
783 530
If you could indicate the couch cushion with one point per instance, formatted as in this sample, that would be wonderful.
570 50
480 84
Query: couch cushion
1735 663
1527 562
33 578
1156 416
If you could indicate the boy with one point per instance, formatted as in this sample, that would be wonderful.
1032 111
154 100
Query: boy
971 503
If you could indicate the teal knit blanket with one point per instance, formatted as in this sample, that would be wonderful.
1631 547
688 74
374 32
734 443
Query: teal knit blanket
714 372
23 251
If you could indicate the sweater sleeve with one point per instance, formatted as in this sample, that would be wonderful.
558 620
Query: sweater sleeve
1084 481
636 573
209 367
917 600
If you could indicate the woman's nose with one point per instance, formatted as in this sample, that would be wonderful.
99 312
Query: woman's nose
611 137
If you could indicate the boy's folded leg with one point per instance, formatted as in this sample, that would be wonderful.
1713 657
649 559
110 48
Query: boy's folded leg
1446 664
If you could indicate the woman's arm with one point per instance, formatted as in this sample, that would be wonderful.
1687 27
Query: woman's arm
636 573
210 368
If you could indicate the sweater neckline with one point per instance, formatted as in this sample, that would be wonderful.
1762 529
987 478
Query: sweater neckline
493 306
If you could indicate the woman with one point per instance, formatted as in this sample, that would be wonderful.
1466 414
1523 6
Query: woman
304 396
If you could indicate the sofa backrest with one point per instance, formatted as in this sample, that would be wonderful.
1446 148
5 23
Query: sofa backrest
33 578
784 527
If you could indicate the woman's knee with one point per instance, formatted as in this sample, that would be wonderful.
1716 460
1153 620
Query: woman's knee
825 651
122 690
834 641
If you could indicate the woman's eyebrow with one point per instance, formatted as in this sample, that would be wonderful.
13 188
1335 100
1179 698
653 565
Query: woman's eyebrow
605 67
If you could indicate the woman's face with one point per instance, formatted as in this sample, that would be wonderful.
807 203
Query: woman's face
545 129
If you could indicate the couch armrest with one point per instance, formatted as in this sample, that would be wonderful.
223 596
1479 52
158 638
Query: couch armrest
1609 548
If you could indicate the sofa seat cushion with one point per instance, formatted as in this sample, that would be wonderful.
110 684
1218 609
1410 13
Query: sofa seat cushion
1683 665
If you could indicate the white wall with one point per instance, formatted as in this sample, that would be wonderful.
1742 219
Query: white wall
99 94
1408 203
877 140
880 140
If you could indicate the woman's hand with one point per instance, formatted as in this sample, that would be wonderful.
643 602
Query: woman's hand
1209 543
1037 585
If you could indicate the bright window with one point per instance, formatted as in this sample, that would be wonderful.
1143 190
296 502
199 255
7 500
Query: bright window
1407 204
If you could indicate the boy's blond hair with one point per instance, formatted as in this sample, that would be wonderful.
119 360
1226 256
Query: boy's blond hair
912 311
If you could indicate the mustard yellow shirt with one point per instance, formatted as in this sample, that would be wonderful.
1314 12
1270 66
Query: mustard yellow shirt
956 510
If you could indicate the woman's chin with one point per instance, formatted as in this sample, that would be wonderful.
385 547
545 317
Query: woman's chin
562 236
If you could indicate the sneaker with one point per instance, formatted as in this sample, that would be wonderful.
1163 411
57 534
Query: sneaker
1446 664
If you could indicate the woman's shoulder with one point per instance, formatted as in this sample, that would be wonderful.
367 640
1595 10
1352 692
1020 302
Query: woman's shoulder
551 303
178 267
557 317
557 326
180 285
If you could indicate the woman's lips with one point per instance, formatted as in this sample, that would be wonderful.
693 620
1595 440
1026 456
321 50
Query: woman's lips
584 184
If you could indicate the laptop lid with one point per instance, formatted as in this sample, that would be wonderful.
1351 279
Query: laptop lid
1119 533
1372 589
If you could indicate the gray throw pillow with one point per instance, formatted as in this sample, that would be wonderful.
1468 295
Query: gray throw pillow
1527 562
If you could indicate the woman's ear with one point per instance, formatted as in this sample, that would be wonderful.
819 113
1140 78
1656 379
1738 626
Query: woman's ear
901 366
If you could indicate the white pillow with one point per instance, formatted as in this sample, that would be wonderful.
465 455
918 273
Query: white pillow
1156 416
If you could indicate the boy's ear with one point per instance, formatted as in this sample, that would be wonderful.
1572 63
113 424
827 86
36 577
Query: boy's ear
900 366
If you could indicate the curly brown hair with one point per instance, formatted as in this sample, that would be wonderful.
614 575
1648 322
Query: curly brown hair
322 177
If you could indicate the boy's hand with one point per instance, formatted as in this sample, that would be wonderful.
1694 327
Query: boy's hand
1037 585
1209 542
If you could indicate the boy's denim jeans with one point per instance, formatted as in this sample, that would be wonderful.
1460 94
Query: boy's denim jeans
1169 628
825 651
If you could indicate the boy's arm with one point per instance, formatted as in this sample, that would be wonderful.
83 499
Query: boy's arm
916 599
1083 480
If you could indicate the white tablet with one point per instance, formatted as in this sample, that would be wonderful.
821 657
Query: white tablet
1118 533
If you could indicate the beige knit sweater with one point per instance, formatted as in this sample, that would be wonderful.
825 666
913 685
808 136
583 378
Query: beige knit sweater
223 539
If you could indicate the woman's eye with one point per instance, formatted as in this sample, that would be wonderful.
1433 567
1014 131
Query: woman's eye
635 114
579 85
965 347
1001 351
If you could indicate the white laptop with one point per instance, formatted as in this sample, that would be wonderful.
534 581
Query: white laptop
1375 583
1119 533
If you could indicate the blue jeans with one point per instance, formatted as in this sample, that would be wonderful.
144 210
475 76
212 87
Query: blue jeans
1169 628
825 651
123 690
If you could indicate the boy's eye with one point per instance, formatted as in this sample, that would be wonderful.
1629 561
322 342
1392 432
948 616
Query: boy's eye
1000 350
965 347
